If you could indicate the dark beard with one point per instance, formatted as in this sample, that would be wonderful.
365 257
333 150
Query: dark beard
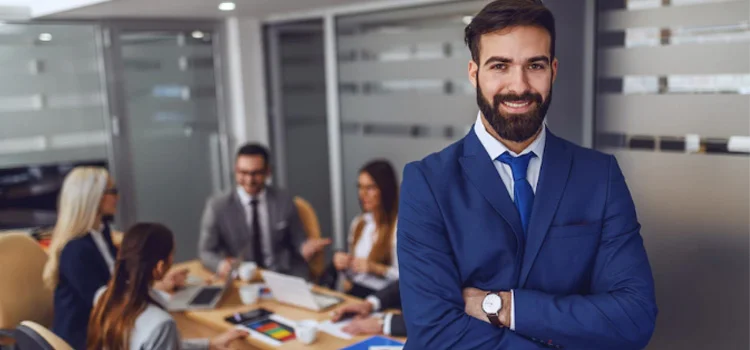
514 127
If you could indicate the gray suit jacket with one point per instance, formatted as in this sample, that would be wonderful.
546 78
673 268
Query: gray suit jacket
225 232
155 329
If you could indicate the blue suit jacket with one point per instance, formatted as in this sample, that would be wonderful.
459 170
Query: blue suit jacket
83 271
581 277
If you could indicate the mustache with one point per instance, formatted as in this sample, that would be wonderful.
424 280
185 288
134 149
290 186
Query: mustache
526 96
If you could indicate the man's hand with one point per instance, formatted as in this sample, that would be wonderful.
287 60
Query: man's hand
173 280
225 267
370 325
223 341
313 246
341 261
473 299
359 309
360 265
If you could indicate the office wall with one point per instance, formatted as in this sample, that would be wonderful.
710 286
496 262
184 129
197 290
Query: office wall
51 100
668 69
245 81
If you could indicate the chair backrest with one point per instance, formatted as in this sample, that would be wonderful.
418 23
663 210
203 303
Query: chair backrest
312 228
23 295
33 336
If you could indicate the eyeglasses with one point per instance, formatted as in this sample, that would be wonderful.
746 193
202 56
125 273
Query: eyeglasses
113 191
252 173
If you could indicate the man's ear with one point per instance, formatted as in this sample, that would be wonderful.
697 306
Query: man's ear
473 69
554 70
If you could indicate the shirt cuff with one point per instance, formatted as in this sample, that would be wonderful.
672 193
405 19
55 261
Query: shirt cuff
196 344
374 301
512 310
391 273
387 323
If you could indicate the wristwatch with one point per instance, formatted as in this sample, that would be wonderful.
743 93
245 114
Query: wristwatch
491 305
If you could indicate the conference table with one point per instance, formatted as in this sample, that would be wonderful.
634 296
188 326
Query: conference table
209 323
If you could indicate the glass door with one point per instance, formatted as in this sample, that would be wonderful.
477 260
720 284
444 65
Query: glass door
171 137
297 91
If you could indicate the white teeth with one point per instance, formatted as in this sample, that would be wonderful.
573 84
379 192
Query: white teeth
516 105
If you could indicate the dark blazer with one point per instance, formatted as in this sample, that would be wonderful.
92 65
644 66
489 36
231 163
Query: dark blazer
390 298
225 232
580 276
83 271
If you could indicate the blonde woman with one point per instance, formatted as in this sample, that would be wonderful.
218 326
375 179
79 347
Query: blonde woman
82 255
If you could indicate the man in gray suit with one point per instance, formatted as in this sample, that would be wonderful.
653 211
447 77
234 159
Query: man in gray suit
255 222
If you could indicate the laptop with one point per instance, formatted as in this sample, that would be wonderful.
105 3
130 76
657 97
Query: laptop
296 291
199 297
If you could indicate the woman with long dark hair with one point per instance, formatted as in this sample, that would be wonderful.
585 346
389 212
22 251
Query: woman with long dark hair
371 263
82 252
127 316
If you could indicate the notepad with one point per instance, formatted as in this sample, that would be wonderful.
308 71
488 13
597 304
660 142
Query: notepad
274 330
376 341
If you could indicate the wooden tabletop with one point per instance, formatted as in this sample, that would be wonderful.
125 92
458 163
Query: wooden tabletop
199 324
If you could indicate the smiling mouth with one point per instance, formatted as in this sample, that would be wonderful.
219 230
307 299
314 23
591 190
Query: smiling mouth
517 104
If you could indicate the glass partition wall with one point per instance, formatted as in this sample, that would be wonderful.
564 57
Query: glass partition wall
170 136
52 116
673 82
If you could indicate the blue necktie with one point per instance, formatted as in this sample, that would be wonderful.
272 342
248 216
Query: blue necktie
523 194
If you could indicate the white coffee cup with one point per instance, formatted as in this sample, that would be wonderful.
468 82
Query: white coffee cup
306 331
249 294
247 270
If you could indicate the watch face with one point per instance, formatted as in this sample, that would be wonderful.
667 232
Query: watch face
492 304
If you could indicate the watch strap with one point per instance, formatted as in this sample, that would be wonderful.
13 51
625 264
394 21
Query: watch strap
495 320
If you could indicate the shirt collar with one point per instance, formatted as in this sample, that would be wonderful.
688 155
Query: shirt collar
368 218
245 198
159 297
495 148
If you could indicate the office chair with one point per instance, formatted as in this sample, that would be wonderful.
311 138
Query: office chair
33 336
23 295
312 227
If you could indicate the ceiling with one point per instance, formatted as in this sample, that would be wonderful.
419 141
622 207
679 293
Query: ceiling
198 8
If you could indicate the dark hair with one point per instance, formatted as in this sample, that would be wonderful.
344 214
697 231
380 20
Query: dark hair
127 295
501 14
254 149
384 175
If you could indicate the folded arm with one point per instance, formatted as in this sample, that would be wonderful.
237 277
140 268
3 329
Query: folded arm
620 312
430 284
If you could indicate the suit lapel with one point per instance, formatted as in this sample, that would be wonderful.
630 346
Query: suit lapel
479 168
271 210
553 176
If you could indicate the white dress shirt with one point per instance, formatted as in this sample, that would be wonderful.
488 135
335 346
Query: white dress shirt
265 232
495 148
362 251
